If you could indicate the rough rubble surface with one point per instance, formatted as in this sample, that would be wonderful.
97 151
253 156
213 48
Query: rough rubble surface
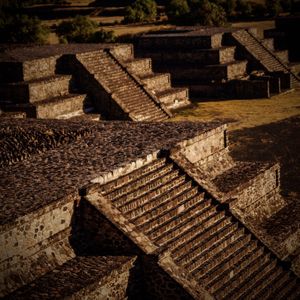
68 162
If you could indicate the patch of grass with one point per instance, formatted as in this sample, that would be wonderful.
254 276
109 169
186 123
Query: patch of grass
246 113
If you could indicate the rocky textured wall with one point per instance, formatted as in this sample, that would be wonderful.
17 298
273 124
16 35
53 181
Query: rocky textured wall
115 286
205 145
35 244
37 68
257 189
123 52
170 41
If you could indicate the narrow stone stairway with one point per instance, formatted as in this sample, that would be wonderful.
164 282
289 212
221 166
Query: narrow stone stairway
263 54
204 240
121 85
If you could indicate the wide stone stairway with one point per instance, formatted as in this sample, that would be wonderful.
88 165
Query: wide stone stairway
191 232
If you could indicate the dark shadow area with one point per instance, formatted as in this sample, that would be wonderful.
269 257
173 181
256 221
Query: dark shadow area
278 142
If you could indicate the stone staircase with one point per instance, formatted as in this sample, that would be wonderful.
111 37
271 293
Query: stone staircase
122 86
263 54
45 95
211 67
158 84
204 241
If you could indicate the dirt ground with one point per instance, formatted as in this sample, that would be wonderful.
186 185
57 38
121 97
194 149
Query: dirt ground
260 129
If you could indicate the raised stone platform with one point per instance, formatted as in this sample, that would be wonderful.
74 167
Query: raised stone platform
91 190
217 62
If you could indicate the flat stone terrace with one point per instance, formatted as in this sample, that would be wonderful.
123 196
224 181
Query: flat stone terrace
241 173
48 176
80 273
22 53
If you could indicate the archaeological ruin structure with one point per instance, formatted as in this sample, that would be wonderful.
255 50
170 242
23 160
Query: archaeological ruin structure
103 198
114 209
219 62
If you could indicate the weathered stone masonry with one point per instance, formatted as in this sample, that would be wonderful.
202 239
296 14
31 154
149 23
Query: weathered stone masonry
135 191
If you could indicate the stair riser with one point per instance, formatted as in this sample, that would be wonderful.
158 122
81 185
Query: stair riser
167 215
140 67
192 56
191 240
198 247
243 258
165 203
175 42
55 110
243 277
139 183
158 83
174 97
108 188
34 92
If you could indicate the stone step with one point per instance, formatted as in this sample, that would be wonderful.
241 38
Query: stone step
158 206
265 283
279 282
197 247
126 179
222 251
162 215
252 283
60 107
184 224
173 96
193 229
213 268
36 90
139 66
142 181
242 277
150 186
221 276
289 290
157 81
172 221
166 188
191 239
191 56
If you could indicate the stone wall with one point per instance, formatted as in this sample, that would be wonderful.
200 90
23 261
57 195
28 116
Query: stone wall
36 243
206 144
115 286
123 52
172 40
37 68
